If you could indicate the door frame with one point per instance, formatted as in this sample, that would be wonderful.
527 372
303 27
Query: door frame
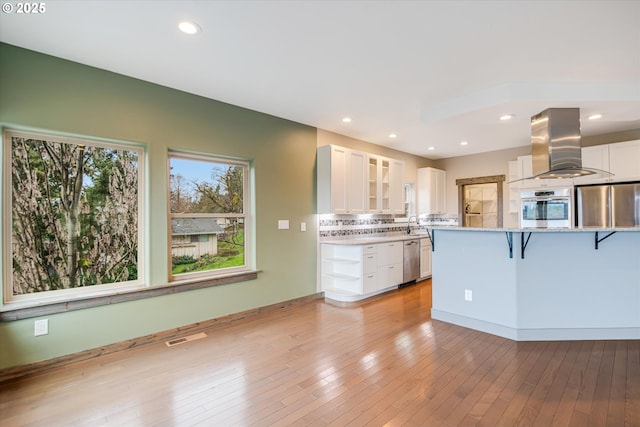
493 179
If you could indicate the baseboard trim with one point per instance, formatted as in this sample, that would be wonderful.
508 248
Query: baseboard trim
539 334
478 325
578 334
18 372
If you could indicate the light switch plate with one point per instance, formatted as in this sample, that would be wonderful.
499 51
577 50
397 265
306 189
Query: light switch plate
283 224
303 226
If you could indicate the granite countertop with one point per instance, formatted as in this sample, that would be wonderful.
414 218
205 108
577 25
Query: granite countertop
377 239
542 230
422 234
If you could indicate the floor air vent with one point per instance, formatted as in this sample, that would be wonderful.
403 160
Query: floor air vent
183 340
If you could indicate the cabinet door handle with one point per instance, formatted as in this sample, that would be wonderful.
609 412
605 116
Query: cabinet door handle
391 267
370 257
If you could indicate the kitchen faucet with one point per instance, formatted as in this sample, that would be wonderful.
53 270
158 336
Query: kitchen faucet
409 223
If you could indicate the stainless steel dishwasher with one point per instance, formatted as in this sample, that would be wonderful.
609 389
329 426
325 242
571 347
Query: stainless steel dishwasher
411 261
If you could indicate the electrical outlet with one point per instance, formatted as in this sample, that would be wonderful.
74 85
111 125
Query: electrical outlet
40 327
468 295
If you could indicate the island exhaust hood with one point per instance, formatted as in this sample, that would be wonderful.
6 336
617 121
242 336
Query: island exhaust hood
556 147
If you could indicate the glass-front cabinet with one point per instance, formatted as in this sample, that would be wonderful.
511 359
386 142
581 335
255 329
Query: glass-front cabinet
373 183
355 182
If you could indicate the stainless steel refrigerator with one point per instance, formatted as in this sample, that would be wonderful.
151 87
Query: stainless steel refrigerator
608 205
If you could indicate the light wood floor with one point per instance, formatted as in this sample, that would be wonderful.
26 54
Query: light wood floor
381 362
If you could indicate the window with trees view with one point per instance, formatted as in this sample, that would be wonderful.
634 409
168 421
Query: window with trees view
208 200
75 215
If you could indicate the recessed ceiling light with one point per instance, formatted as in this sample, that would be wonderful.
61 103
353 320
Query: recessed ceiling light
189 27
431 148
346 120
463 143
393 135
595 117
506 117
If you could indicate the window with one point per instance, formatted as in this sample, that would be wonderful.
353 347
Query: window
74 222
209 208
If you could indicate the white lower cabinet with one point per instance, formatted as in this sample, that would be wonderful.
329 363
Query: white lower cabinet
389 264
425 258
370 269
354 272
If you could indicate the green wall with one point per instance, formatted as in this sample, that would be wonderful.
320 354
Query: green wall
40 92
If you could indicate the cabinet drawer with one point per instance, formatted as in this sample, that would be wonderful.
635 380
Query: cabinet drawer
389 275
370 283
370 249
390 253
370 263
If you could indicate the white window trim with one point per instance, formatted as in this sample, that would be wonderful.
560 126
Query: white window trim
12 302
246 215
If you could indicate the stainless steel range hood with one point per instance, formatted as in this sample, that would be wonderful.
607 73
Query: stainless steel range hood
556 146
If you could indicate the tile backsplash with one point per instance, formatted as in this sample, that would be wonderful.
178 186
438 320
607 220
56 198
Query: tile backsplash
345 226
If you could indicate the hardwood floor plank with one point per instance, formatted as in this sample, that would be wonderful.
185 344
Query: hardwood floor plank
567 402
588 385
616 410
429 382
445 397
476 387
600 403
378 362
513 387
543 402
632 386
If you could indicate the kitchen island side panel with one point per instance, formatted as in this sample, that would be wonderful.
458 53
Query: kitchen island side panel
478 262
565 283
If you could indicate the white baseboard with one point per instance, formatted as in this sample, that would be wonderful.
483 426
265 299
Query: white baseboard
478 325
559 334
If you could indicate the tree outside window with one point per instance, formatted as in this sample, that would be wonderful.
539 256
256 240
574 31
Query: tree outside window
208 212
75 214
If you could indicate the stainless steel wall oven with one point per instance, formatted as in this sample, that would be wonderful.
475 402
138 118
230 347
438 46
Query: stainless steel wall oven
548 208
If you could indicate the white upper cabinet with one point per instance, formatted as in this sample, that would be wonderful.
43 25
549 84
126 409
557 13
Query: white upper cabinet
396 188
356 197
622 159
332 177
373 190
595 157
341 175
431 191
384 184
354 182
525 170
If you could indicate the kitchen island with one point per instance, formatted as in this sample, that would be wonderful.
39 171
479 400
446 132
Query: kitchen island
567 284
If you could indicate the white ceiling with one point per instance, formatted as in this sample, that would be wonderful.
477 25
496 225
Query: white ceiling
433 72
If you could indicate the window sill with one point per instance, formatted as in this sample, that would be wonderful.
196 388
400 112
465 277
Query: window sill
148 292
